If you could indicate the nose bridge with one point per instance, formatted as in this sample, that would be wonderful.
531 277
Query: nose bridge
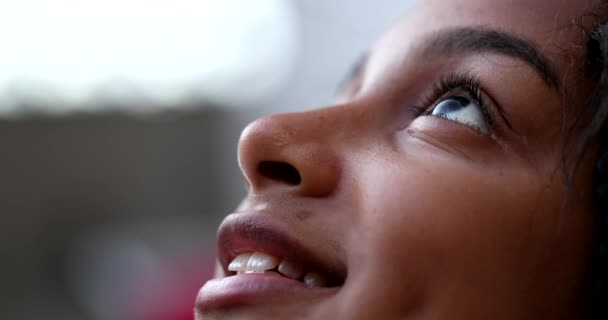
298 151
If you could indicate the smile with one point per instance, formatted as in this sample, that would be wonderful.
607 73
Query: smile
262 263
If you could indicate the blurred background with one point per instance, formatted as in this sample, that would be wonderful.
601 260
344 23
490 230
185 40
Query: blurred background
119 122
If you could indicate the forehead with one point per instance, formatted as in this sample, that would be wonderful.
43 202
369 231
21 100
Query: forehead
556 27
536 17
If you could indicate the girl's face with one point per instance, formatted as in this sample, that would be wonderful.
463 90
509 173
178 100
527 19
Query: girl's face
434 190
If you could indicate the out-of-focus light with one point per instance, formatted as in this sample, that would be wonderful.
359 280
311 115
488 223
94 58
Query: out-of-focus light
74 54
131 271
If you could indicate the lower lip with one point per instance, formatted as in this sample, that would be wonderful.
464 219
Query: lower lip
251 288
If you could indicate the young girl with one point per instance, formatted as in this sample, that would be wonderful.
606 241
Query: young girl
461 176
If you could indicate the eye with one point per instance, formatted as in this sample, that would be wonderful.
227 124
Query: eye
463 110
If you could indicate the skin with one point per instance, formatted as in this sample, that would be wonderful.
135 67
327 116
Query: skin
430 218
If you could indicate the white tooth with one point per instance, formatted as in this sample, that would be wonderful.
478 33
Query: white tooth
240 262
315 280
290 270
260 262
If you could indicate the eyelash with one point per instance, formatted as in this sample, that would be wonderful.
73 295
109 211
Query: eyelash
454 85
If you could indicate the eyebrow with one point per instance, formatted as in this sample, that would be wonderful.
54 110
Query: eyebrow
483 40
479 40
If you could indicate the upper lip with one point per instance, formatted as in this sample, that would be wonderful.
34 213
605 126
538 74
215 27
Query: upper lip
255 232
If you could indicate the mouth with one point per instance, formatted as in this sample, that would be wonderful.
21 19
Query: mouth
261 262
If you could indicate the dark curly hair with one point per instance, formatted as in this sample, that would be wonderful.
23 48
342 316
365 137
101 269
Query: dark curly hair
595 130
592 125
598 56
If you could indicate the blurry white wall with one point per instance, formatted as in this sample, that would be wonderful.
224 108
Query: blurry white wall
65 55
136 55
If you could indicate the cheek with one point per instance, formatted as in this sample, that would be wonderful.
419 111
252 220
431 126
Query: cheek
427 223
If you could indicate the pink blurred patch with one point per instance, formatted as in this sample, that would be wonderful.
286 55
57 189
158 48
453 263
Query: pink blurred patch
171 296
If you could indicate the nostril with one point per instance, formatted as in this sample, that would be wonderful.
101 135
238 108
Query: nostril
280 171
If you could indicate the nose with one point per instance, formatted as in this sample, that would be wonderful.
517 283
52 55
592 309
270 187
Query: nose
291 151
